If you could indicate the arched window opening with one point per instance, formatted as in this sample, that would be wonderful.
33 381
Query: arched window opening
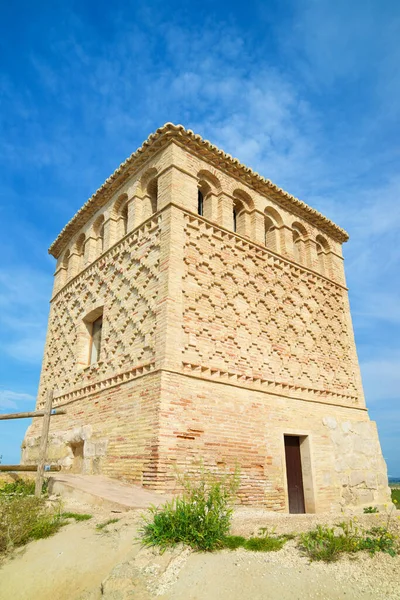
239 217
205 200
90 342
272 221
269 233
209 186
148 191
120 213
80 249
297 246
65 260
95 340
242 207
124 218
101 238
152 190
321 259
65 267
299 234
98 228
200 203
323 249
80 244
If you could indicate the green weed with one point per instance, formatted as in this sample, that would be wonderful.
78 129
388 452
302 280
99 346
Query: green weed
379 539
200 518
233 542
76 516
22 487
265 544
328 543
25 518
101 526
396 497
370 510
266 541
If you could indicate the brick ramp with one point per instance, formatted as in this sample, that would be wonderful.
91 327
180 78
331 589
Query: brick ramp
99 490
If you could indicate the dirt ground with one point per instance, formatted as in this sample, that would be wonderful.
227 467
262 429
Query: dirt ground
81 563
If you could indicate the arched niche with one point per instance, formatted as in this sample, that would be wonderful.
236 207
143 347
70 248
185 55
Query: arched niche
98 230
243 205
299 237
149 192
208 189
272 223
120 213
323 254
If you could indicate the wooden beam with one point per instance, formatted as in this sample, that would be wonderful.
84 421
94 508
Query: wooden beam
27 468
43 443
28 415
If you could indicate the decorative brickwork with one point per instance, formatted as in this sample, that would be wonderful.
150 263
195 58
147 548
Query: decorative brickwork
125 282
249 313
216 335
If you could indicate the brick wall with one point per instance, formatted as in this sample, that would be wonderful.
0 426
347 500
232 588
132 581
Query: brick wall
118 428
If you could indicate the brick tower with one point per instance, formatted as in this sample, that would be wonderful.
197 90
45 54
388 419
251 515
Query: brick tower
200 312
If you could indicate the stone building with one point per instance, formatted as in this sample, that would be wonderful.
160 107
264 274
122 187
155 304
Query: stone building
200 312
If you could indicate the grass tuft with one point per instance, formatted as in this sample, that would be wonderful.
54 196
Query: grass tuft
101 526
76 516
328 543
25 518
233 542
265 544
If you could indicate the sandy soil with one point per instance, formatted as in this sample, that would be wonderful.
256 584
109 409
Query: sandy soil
72 563
79 563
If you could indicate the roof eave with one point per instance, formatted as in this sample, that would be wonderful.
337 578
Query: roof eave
153 144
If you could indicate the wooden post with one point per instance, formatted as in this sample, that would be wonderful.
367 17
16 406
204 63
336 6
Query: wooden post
43 443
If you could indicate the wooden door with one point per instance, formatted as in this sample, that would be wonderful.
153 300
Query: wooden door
294 474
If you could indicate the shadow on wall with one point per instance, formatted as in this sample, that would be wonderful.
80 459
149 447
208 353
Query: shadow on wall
77 452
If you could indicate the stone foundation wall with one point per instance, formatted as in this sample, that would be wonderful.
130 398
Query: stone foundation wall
146 430
223 425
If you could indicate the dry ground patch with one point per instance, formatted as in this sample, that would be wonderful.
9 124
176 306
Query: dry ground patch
85 562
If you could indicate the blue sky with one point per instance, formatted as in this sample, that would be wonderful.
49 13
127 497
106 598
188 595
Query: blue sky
306 92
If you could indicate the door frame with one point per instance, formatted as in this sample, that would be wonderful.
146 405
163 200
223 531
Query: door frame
307 469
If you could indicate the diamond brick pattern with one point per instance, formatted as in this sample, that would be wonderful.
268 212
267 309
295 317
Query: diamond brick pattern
125 282
248 312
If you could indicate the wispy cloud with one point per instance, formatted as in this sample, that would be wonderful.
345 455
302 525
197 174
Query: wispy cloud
307 97
10 399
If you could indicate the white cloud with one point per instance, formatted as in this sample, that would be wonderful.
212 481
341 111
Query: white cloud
10 399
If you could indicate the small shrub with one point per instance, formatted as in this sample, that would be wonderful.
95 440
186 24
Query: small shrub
24 518
370 510
396 497
200 518
76 516
101 526
22 487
